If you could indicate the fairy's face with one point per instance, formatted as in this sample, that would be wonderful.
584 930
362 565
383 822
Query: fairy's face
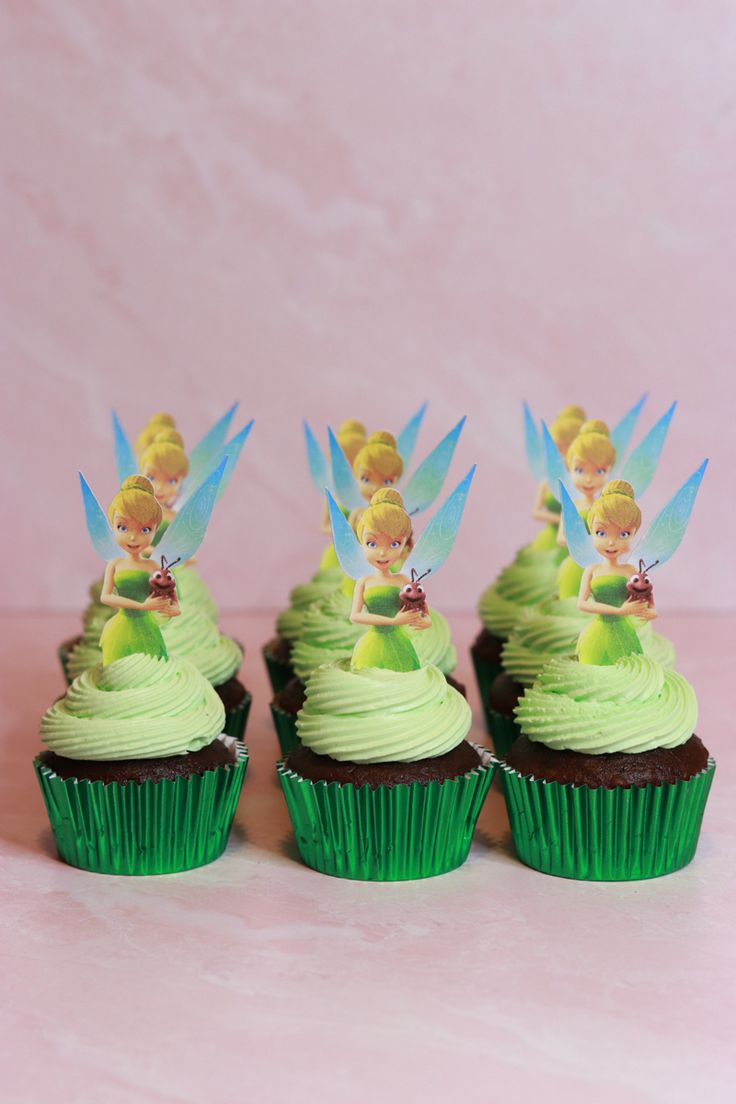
166 487
132 536
381 550
370 481
610 540
588 476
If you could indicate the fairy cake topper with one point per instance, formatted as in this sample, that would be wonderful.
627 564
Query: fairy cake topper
383 538
134 585
380 463
612 588
161 457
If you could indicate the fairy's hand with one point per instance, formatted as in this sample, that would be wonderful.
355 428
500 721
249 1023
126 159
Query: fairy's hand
425 623
412 618
649 614
156 603
172 610
636 608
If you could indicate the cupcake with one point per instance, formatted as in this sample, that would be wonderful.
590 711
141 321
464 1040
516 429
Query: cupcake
328 635
137 774
609 779
277 652
384 785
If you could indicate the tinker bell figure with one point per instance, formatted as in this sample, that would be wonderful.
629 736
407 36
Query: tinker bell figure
592 459
612 589
384 601
174 474
132 519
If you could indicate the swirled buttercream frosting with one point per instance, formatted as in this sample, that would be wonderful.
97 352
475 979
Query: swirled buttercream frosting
528 581
327 634
139 707
375 716
322 585
553 630
633 705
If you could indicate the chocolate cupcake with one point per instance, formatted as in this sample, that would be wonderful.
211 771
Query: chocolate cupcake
137 775
608 780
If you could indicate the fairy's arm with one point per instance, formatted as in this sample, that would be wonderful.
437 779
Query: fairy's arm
539 510
359 616
561 532
117 601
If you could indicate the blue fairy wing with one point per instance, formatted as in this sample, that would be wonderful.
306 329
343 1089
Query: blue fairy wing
668 528
186 532
347 546
407 437
622 433
640 467
319 469
534 446
556 471
426 482
98 526
579 543
203 457
343 479
435 543
125 459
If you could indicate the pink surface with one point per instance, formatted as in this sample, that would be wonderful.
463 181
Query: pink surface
337 209
256 978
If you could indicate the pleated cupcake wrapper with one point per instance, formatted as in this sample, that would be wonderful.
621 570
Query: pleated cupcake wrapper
503 730
621 834
278 673
285 725
390 833
485 673
143 827
236 719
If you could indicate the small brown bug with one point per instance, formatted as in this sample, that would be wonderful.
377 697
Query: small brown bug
639 585
412 595
162 583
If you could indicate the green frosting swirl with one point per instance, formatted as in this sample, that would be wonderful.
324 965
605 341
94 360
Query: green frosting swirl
139 707
327 634
322 585
193 592
633 705
528 581
374 716
553 630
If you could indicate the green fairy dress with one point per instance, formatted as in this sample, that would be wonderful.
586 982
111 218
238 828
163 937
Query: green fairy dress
609 637
386 646
132 631
546 539
570 574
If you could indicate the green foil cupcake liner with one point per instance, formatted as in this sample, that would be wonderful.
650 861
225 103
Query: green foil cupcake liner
285 725
236 719
278 673
143 827
389 833
605 835
503 730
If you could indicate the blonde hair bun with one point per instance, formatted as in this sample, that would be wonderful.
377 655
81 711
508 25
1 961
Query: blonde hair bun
387 494
137 483
382 437
594 425
351 426
162 419
169 437
572 411
618 487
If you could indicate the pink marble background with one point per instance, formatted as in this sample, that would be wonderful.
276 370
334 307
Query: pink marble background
334 209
